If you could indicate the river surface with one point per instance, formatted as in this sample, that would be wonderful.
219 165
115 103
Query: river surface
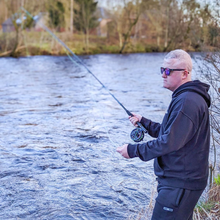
60 130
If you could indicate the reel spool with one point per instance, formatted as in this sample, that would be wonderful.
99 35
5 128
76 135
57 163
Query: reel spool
137 134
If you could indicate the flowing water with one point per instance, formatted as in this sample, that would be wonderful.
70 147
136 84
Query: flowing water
60 130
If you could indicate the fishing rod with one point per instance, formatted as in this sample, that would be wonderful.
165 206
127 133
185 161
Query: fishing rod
137 134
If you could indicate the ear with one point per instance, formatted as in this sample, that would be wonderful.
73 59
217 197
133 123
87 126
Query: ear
185 74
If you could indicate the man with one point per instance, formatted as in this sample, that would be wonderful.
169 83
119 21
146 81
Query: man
181 147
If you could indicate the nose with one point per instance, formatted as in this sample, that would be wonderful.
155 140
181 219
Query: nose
164 75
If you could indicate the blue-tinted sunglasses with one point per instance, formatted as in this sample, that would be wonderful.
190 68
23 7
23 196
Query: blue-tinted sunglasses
168 71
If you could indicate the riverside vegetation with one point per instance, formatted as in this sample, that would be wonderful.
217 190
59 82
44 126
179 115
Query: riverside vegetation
125 27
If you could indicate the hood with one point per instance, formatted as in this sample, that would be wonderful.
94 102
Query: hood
194 86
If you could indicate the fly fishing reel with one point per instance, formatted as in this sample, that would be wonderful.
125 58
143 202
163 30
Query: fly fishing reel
137 134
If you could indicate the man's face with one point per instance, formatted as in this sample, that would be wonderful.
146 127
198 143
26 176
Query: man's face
174 80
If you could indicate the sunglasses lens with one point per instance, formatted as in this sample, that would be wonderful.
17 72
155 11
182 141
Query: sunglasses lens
167 71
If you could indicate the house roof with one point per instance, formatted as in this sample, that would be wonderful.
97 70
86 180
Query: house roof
7 22
102 13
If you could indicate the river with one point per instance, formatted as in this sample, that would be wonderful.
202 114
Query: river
60 130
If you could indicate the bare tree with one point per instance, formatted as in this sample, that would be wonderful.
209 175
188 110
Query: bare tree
210 69
117 19
132 14
71 15
85 18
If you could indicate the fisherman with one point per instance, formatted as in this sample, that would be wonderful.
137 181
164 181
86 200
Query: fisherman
181 146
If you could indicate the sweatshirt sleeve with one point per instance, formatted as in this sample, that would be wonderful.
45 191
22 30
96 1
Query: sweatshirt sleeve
153 128
179 130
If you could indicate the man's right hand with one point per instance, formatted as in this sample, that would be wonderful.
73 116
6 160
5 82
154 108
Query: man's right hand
135 118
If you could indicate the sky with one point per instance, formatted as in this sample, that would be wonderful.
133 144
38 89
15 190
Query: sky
105 3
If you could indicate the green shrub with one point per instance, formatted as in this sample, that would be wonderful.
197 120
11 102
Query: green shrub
207 206
217 180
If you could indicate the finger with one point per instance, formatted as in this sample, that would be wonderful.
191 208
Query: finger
134 120
119 149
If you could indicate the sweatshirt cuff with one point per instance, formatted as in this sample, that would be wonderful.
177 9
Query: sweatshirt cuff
145 122
132 149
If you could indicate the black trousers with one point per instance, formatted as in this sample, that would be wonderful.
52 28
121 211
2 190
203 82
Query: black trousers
175 203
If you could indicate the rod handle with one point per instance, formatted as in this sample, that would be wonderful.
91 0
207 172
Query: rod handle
138 123
142 127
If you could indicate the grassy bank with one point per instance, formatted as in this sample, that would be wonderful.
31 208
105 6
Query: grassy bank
42 43
209 208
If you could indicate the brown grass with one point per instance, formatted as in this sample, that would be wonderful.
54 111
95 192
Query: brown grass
209 210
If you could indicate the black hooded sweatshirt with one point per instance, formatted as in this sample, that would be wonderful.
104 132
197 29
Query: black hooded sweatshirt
181 147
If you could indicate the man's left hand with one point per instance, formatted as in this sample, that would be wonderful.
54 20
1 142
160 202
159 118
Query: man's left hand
123 150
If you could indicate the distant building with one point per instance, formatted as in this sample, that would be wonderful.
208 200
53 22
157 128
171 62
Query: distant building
7 26
104 18
102 29
39 20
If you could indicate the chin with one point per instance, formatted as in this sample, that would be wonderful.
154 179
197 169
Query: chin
165 86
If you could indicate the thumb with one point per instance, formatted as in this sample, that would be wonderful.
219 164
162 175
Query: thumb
118 149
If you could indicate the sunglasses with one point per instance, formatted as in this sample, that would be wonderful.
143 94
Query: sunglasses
168 71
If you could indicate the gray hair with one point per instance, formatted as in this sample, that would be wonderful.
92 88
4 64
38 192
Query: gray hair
181 57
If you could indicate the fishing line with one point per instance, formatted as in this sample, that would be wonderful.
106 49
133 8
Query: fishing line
137 134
